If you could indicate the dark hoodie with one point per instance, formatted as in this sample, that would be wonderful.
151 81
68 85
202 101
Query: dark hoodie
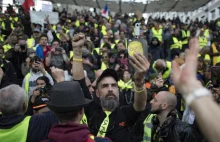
155 50
71 132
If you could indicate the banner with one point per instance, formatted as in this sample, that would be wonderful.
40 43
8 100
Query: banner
39 17
47 7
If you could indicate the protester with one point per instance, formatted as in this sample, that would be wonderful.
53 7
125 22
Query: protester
68 108
162 124
104 51
37 70
107 92
14 125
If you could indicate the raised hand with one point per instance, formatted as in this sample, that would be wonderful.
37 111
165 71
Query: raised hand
57 74
185 80
141 66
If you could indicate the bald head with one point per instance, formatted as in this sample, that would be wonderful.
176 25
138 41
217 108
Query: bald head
169 98
160 65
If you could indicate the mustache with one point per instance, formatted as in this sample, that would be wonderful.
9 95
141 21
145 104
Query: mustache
110 94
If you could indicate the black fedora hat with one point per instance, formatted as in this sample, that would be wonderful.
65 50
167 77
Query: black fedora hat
66 97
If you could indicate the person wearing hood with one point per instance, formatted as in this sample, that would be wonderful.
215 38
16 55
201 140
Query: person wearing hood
155 50
69 109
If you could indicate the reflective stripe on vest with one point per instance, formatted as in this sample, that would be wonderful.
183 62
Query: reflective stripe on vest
202 42
158 34
215 59
176 43
147 128
185 34
18 133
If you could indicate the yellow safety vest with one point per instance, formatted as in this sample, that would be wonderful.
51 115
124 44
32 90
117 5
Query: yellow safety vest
215 59
103 66
218 23
158 34
71 54
58 35
3 25
125 85
2 38
202 42
206 33
185 34
17 133
30 42
84 120
207 57
103 30
112 46
166 74
97 50
116 41
7 47
176 44
147 128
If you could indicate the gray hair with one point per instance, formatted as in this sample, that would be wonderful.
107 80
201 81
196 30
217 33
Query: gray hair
12 99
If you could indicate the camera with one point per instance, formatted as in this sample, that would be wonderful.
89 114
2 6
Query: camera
44 90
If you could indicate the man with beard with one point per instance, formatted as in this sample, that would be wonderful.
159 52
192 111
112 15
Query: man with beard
163 123
37 70
107 119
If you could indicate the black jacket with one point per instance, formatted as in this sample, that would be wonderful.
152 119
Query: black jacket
172 130
10 76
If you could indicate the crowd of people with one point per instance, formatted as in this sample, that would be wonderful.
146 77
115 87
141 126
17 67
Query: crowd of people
75 81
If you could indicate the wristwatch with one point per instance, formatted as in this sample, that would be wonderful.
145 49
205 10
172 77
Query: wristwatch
201 92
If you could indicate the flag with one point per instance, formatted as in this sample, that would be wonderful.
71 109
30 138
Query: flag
27 4
105 12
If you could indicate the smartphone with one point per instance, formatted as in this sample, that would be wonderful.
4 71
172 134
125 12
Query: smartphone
137 29
37 59
58 49
215 76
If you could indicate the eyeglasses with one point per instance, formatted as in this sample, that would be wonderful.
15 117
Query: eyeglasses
121 57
